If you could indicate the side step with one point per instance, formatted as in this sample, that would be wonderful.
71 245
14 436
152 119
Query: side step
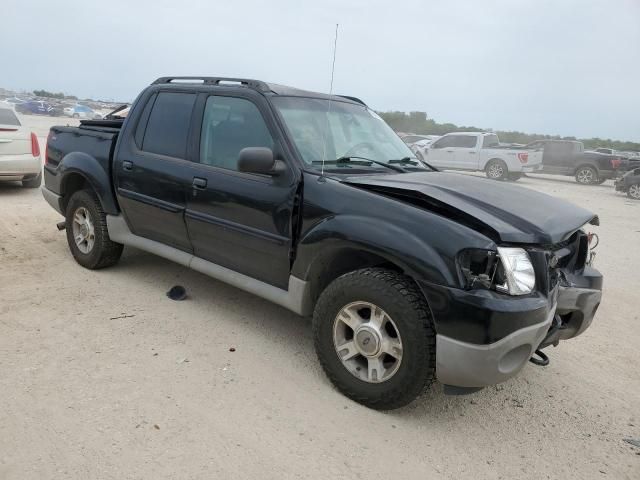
296 298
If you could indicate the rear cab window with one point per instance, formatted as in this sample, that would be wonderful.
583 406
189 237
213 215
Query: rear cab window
490 141
168 125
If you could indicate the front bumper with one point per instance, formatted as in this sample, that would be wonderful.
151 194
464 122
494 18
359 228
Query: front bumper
472 359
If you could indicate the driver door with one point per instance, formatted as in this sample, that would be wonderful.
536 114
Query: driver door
238 220
441 154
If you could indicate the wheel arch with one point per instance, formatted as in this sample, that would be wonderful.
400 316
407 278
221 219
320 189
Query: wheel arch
343 245
80 170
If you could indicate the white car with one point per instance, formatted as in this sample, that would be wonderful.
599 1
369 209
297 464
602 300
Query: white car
81 111
19 152
481 151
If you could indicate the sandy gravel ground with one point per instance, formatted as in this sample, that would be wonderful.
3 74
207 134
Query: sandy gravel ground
103 377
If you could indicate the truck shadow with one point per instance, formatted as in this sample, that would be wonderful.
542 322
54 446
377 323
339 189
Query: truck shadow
11 188
291 334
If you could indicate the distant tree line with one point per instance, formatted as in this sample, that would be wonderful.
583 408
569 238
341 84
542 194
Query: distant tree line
60 95
418 122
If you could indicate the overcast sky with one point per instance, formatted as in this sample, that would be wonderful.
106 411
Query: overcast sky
570 67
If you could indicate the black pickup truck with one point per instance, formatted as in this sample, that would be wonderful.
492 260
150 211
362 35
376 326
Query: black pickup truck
312 202
568 157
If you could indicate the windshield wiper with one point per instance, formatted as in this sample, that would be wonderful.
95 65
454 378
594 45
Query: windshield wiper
350 159
413 161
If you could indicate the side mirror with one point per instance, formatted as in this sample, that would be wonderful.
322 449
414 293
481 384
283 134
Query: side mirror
256 160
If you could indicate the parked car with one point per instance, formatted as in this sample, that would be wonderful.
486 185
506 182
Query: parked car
411 139
481 151
81 111
13 100
568 157
418 147
409 272
34 107
19 152
630 183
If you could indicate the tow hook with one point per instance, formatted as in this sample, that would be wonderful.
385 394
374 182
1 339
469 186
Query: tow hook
541 361
61 226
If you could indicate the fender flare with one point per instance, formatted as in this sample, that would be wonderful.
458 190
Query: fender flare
347 234
79 163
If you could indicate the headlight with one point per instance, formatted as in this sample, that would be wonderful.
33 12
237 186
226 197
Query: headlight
509 270
519 276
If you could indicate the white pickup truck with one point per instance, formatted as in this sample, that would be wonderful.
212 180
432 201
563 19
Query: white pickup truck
481 151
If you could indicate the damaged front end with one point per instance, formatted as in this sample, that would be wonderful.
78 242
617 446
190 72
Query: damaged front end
579 287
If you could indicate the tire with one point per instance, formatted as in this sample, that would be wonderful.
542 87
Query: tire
496 170
514 177
33 182
586 175
101 252
403 310
634 191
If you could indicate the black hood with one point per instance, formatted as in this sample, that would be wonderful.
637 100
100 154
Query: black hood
508 213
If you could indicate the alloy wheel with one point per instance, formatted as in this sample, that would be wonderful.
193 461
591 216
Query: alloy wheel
83 230
367 342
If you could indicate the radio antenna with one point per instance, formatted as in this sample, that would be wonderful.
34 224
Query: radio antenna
333 68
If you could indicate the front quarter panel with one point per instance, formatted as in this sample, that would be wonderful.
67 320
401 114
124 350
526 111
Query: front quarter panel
339 217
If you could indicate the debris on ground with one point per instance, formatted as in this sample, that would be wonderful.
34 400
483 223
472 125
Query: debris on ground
177 293
633 441
122 315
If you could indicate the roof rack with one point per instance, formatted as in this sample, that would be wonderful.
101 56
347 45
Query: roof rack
354 99
255 84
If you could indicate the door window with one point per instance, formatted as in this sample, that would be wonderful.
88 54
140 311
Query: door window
168 125
229 125
462 141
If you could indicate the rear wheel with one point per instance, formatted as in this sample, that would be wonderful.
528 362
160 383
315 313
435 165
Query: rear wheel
33 182
374 338
634 191
587 175
87 235
496 170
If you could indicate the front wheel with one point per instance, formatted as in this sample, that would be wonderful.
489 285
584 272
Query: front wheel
587 175
497 170
374 337
87 235
634 191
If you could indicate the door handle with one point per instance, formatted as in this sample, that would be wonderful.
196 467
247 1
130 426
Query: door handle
449 151
127 165
472 153
199 183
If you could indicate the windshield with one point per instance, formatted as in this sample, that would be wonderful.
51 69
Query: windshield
332 130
